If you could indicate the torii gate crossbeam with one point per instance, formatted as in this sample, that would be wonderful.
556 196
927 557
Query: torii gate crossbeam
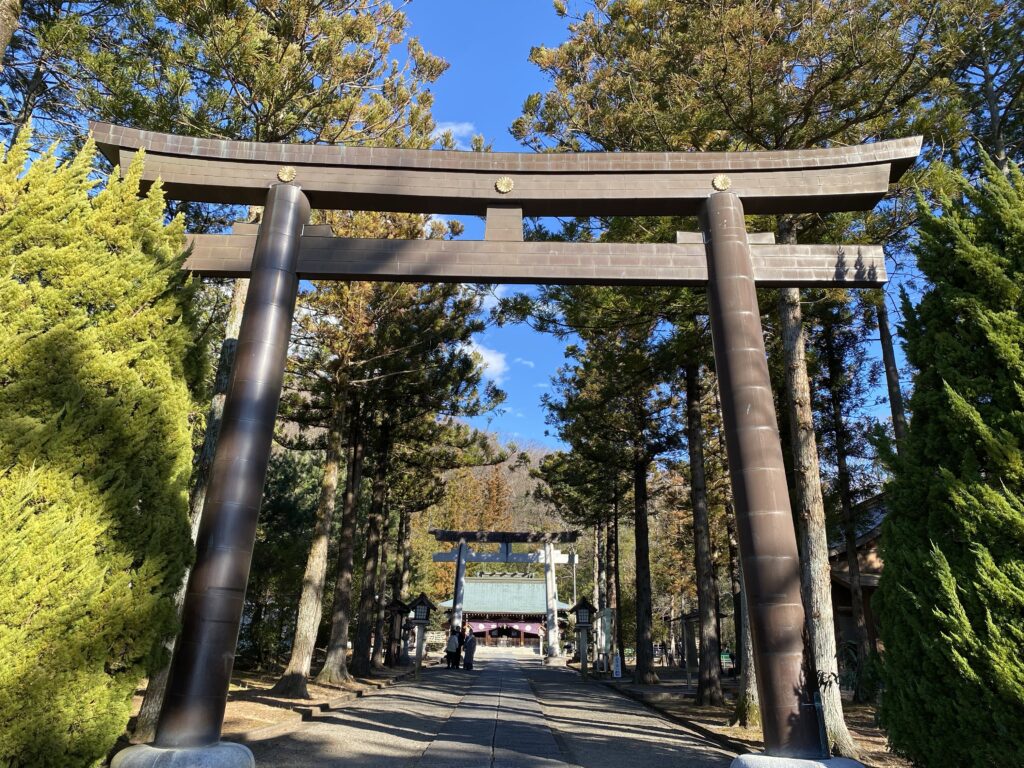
718 187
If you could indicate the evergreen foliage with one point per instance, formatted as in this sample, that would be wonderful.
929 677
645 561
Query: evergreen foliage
327 71
95 452
287 516
951 601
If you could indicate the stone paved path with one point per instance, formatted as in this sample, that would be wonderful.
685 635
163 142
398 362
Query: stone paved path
509 713
599 728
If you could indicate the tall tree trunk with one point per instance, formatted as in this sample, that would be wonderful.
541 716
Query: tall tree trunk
31 94
382 598
335 669
405 548
10 10
672 645
145 726
994 101
892 372
256 625
307 623
396 574
815 574
616 582
738 616
644 672
361 666
862 692
400 578
709 683
225 363
748 709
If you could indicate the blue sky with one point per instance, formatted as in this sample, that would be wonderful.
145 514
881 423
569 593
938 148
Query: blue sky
486 43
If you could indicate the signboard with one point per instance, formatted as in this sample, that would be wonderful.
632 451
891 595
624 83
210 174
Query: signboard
435 637
616 666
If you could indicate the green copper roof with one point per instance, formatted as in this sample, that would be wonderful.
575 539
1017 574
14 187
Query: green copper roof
504 594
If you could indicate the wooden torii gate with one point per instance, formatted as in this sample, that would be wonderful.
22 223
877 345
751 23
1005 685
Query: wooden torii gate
461 554
718 187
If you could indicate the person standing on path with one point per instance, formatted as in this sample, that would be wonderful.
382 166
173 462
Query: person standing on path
462 642
452 649
470 648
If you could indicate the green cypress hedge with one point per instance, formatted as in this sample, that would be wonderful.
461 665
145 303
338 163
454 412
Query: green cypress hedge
95 451
951 599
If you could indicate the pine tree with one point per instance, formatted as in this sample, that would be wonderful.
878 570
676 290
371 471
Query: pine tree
844 378
991 79
950 600
287 521
9 12
95 451
618 393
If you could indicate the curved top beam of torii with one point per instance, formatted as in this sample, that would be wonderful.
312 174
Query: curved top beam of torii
567 184
505 537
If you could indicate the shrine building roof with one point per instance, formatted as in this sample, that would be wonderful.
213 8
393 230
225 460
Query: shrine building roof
504 593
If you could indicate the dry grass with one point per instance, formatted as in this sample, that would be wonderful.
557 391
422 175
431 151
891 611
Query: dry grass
251 706
860 718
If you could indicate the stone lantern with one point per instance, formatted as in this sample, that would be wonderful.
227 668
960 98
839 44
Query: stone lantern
420 608
396 612
584 611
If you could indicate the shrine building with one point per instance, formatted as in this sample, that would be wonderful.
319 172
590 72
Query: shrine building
507 609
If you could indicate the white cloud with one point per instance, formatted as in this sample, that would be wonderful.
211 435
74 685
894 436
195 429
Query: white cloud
494 363
541 385
527 363
461 132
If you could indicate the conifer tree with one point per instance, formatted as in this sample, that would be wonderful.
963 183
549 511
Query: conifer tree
288 514
95 451
843 380
422 365
991 79
619 390
950 601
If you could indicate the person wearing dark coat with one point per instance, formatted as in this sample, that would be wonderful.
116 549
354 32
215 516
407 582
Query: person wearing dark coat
469 647
462 642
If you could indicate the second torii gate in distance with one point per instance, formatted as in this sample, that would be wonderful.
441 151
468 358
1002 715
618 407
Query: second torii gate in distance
461 554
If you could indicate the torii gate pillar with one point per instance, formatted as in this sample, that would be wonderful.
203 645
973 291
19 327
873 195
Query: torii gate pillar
552 656
459 593
188 731
771 566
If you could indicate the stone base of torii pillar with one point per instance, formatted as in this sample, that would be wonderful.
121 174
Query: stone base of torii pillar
221 755
770 761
